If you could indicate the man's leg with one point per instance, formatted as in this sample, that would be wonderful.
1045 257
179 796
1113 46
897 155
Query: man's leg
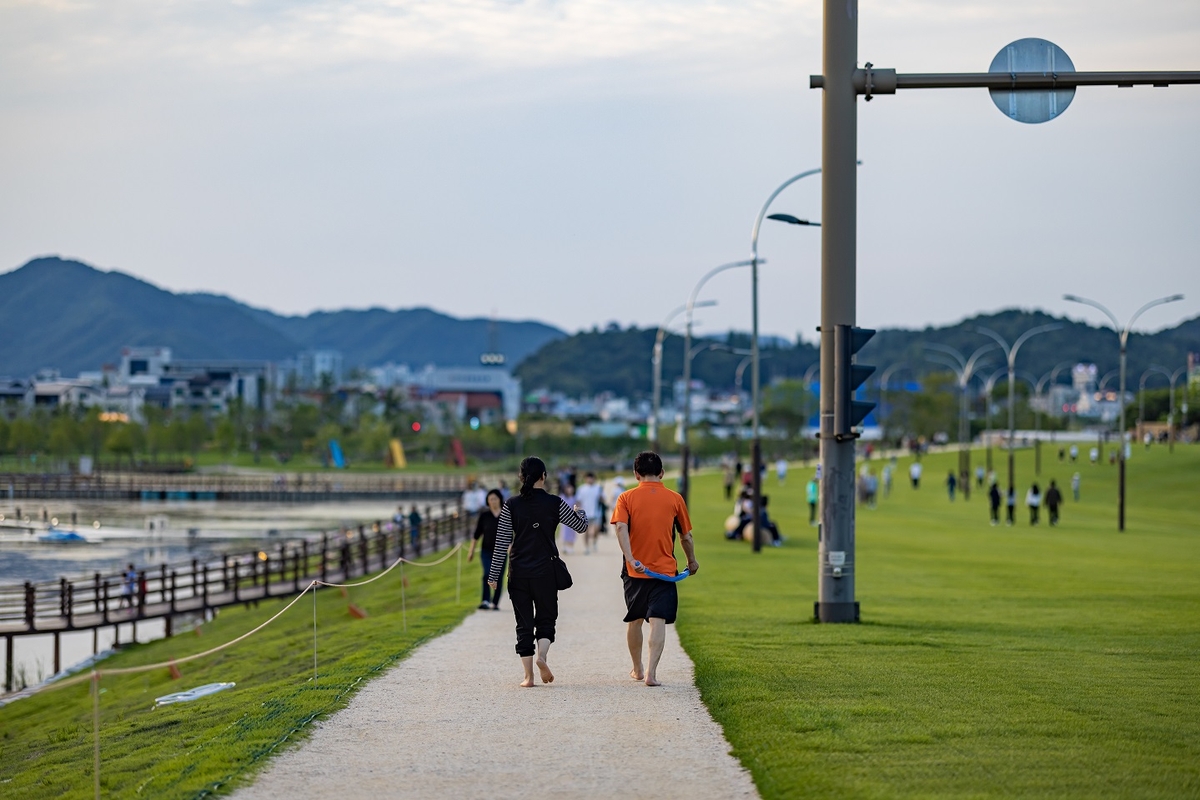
485 558
658 638
633 637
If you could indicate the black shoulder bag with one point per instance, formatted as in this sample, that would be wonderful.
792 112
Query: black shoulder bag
562 575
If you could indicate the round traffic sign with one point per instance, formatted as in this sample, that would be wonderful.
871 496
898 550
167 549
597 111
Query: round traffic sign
1032 105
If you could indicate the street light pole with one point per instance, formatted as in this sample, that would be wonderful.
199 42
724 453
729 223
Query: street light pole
1171 414
755 358
1010 353
1142 394
988 385
657 361
684 447
884 413
963 367
1123 334
1037 414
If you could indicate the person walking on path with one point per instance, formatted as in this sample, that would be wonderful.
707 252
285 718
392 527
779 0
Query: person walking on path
727 480
589 502
525 531
128 584
485 538
646 518
1053 500
1010 501
781 468
414 529
951 485
811 492
1033 499
568 534
994 503
1075 486
914 474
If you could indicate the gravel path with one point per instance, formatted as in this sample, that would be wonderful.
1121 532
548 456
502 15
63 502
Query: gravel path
451 722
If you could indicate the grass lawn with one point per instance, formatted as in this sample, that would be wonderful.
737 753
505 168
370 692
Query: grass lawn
1043 662
212 744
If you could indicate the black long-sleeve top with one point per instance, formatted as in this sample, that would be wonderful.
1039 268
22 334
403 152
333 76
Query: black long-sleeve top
485 529
527 524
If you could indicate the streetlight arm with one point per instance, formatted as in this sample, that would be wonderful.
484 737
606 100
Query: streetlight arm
942 348
692 304
1074 298
1053 326
971 362
1160 301
767 205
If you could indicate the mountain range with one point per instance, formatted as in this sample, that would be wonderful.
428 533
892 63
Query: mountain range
70 316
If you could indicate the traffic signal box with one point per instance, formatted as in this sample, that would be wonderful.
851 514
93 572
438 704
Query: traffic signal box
848 412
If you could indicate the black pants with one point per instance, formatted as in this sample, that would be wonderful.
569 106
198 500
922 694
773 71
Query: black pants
995 513
1011 511
812 513
535 605
1053 514
489 596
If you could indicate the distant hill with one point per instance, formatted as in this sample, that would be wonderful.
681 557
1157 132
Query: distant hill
71 316
618 360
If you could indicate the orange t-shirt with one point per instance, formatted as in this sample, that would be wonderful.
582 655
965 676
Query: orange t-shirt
651 511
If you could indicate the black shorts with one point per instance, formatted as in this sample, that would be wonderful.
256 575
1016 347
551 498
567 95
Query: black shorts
650 597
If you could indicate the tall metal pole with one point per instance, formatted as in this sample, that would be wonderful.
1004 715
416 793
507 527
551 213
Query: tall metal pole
656 360
756 359
964 368
1171 414
839 197
1123 333
684 447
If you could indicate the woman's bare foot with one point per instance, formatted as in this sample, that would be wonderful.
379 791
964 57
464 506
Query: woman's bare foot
547 675
636 674
652 681
528 682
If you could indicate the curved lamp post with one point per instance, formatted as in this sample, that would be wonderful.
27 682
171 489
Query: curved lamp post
884 413
988 386
656 361
1123 335
1037 413
1010 353
963 367
755 374
684 449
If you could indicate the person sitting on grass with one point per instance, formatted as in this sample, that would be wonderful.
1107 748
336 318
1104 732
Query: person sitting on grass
646 518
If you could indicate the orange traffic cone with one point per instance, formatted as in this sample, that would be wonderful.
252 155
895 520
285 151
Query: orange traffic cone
356 612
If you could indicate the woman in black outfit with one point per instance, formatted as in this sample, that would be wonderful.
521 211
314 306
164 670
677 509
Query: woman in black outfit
528 523
485 538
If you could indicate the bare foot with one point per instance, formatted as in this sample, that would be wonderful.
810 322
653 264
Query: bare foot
547 675
636 674
652 681
528 682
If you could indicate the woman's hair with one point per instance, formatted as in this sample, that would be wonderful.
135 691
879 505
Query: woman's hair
499 496
533 469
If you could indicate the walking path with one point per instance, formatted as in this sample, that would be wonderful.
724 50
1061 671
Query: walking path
451 722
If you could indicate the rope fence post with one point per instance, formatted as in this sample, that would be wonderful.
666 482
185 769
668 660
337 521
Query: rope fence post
96 733
403 606
458 580
314 591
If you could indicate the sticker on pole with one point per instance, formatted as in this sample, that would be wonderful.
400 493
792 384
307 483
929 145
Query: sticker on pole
192 694
1032 105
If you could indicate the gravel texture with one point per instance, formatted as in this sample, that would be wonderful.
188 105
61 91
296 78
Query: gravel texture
451 721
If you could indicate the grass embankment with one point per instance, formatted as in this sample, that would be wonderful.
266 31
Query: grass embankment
1023 661
211 744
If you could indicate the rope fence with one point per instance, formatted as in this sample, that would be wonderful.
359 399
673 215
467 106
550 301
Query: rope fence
94 676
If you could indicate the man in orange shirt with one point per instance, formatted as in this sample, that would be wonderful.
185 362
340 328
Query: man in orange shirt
646 518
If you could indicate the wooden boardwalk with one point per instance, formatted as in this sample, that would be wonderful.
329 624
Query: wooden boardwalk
169 590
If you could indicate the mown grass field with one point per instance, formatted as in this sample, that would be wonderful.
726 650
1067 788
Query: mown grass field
990 661
210 745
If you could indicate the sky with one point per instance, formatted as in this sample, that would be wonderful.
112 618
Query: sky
586 161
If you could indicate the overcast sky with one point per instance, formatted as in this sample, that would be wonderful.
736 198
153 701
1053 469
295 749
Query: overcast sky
584 161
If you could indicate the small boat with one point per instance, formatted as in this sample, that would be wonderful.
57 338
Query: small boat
59 536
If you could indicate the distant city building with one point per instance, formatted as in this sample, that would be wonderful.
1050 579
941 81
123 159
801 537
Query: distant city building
489 393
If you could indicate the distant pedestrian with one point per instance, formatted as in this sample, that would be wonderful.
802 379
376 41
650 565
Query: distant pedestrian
1010 502
781 468
1053 500
568 533
728 480
951 485
128 585
1033 499
994 503
589 502
811 492
414 528
1062 454
1094 454
485 538
980 474
914 474
886 474
525 531
1075 486
1074 453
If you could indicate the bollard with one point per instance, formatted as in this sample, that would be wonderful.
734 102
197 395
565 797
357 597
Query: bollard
70 605
324 556
30 600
